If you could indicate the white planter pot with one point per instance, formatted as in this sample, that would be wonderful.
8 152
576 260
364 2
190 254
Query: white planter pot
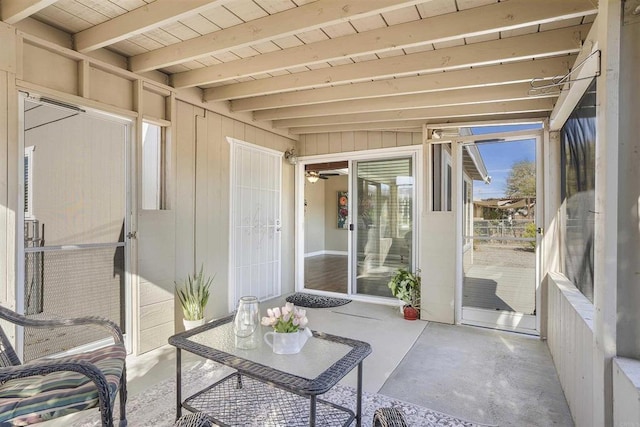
190 324
287 343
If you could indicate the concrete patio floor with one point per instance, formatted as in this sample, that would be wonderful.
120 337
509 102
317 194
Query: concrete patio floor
486 376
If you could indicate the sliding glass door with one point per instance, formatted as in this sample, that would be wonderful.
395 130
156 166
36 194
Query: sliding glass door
382 222
356 221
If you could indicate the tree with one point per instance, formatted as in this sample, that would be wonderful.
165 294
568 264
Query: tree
521 181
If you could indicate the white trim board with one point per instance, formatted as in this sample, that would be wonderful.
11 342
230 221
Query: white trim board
318 253
502 320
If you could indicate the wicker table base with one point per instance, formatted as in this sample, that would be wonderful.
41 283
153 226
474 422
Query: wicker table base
238 400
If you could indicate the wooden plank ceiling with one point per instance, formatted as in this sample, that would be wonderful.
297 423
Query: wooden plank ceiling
339 65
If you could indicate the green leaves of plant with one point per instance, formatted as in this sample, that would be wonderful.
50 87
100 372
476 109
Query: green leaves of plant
405 285
194 295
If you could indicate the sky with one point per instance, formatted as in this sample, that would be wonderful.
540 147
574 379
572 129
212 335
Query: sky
499 157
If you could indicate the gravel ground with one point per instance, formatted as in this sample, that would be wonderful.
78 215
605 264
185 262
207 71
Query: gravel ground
503 255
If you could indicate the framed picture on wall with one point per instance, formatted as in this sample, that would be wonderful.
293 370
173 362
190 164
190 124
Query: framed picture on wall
343 209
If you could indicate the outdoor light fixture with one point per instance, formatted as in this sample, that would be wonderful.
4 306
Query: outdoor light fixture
313 176
291 156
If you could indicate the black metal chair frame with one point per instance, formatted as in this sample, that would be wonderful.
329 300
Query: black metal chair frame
12 368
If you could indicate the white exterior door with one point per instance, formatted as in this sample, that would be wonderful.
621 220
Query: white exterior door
71 235
254 248
500 283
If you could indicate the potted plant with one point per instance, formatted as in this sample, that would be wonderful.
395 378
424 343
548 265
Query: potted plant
193 295
405 286
289 333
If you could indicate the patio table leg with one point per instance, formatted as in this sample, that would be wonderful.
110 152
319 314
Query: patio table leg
359 397
312 412
178 384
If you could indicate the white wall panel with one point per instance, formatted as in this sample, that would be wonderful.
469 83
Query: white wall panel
203 197
342 142
570 341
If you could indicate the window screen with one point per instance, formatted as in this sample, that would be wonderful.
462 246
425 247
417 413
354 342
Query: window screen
578 197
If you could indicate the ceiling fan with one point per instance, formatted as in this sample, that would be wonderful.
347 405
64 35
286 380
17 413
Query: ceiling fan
321 175
313 176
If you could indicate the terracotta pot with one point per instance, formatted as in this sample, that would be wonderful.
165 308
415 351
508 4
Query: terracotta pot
410 313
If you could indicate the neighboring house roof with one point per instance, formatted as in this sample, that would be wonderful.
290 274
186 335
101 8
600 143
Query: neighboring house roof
474 164
505 203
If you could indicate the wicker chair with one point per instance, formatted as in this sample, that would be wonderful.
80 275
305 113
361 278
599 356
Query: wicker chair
196 419
44 389
388 417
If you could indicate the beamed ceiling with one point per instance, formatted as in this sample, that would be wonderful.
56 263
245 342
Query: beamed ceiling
338 65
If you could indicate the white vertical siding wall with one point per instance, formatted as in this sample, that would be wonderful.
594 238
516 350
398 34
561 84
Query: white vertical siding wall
202 208
342 142
570 340
626 392
198 210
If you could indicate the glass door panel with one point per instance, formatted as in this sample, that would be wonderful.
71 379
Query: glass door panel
326 222
383 222
499 234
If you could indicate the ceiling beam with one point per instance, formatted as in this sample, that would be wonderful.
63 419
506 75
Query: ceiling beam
145 18
397 124
467 23
547 43
416 125
482 76
298 19
501 107
12 11
450 97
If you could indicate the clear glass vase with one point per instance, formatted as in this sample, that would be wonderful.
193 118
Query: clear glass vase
246 323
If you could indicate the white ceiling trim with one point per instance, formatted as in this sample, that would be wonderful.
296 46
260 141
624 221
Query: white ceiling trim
289 22
546 43
145 18
436 99
12 11
491 108
457 79
489 19
411 126
572 92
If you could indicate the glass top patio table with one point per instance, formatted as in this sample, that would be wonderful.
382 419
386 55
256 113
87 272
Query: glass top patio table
323 361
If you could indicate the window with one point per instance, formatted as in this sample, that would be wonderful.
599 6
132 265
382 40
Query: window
28 182
153 167
578 138
442 175
467 200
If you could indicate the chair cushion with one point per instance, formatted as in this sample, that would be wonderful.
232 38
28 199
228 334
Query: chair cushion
39 398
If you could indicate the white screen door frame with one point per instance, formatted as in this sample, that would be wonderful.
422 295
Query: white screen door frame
125 127
254 222
518 322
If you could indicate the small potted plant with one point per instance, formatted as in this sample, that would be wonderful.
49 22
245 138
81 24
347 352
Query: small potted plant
194 295
405 286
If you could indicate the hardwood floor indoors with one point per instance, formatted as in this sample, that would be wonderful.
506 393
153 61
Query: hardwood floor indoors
326 273
330 273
